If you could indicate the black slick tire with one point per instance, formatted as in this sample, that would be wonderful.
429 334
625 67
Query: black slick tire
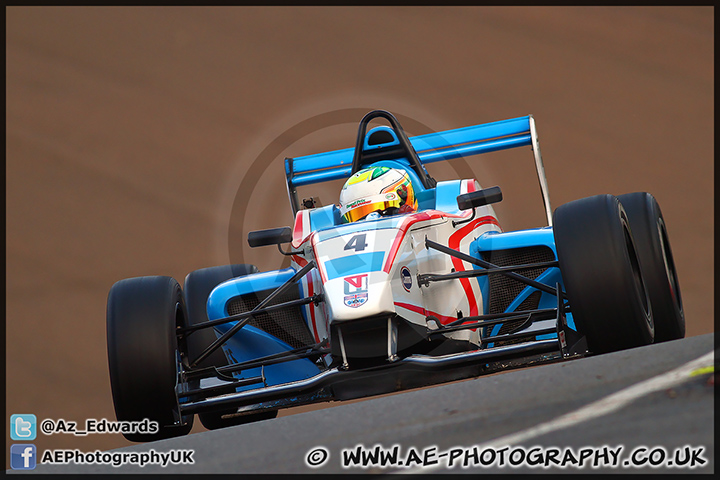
656 260
143 314
601 273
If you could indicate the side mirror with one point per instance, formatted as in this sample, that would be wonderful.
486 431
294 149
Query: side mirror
271 236
486 196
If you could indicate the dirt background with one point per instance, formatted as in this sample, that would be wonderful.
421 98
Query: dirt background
130 131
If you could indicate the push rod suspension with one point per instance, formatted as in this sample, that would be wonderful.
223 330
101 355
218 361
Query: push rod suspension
425 279
211 323
488 265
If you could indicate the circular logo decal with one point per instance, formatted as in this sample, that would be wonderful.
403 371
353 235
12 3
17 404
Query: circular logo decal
406 278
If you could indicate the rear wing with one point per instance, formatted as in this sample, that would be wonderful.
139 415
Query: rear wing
431 147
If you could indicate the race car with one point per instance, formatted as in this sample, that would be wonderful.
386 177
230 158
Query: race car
383 302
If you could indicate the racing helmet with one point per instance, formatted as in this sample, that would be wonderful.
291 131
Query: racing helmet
385 190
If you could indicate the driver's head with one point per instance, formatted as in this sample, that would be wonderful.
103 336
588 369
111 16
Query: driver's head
385 190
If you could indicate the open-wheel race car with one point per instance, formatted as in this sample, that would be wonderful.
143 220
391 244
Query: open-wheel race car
394 299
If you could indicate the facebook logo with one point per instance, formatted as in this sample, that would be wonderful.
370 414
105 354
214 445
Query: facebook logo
23 457
23 427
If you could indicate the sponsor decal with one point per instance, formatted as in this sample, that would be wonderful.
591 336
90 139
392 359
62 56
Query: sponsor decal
406 278
390 196
357 203
356 290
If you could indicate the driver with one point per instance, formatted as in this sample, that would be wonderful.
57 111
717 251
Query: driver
376 192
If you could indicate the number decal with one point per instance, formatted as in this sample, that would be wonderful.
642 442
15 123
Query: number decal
356 243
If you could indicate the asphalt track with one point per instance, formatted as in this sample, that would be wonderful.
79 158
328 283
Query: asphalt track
622 402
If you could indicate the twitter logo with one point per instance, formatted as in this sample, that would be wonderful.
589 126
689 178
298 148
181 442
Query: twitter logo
23 427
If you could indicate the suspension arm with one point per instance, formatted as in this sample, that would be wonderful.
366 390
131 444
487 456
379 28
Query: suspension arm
249 315
489 266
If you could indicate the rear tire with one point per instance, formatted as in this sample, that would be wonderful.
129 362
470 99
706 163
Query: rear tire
143 314
601 272
656 260
198 285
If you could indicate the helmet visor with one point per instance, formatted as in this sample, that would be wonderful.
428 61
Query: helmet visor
361 208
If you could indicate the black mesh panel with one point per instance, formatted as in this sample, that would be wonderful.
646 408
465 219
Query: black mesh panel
287 324
503 290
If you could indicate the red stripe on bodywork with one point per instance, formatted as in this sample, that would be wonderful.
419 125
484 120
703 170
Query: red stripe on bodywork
313 243
299 260
298 230
301 263
444 320
470 185
312 307
454 242
403 228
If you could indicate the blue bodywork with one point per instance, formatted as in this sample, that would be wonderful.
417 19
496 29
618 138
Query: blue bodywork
249 342
492 241
432 147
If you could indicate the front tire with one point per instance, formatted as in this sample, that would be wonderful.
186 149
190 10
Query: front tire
143 314
601 273
656 260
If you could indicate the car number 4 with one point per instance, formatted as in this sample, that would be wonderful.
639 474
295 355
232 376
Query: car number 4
356 243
